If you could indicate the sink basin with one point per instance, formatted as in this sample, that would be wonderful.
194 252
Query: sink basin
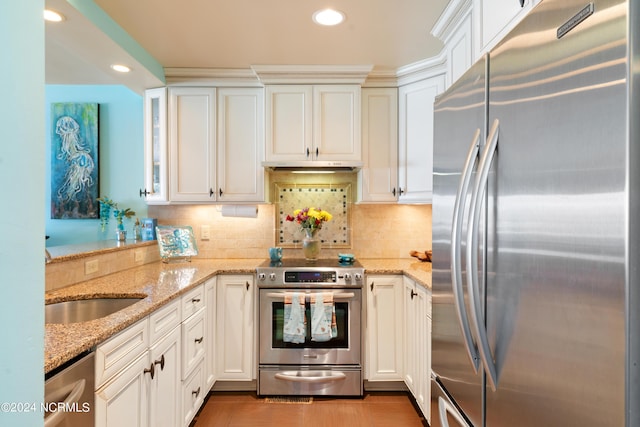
85 310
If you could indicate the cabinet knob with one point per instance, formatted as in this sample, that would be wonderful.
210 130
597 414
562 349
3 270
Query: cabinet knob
248 285
196 393
159 362
151 370
372 286
211 193
220 191
393 192
317 151
413 293
144 193
308 152
400 191
195 300
199 340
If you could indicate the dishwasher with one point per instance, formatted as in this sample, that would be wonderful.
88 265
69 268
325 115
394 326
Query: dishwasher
69 394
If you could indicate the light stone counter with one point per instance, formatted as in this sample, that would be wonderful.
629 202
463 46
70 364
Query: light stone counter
160 283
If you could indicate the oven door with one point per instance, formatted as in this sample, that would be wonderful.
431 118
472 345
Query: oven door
343 349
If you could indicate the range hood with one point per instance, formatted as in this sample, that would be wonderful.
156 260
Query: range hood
310 166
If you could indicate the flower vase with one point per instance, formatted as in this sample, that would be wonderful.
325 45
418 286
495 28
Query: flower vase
310 244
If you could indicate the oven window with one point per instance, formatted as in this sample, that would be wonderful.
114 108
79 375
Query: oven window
342 322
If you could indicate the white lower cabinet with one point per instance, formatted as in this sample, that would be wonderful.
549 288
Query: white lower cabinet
138 384
210 319
235 331
193 394
384 338
417 327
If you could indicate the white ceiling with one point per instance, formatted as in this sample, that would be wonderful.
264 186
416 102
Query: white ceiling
235 34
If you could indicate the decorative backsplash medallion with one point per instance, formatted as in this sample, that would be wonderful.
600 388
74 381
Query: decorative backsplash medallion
333 198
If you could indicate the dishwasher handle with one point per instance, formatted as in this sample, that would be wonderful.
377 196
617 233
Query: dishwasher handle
77 389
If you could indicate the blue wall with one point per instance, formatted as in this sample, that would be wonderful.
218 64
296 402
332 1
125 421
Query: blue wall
21 194
121 153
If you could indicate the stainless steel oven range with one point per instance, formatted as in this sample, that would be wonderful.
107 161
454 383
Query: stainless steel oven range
310 328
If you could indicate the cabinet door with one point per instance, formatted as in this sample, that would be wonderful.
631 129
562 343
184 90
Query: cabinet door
288 122
192 144
422 339
123 401
379 173
384 338
240 143
416 139
156 184
336 122
164 397
410 334
235 341
210 319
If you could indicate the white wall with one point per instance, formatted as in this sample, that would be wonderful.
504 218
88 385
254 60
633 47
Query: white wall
22 194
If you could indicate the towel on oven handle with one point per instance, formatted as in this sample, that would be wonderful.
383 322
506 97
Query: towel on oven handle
294 329
323 317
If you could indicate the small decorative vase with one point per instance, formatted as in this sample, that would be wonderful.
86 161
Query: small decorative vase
121 235
310 244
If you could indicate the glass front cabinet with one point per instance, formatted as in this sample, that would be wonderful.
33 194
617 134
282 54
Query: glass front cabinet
155 189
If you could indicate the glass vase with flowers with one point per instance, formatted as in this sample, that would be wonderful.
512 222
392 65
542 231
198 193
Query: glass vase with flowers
310 221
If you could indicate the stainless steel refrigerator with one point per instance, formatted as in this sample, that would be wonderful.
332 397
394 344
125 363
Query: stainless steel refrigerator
536 214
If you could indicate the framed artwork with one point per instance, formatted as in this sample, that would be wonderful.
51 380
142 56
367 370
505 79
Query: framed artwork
74 161
176 241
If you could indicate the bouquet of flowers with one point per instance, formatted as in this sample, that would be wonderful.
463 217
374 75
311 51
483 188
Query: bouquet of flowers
310 219
106 206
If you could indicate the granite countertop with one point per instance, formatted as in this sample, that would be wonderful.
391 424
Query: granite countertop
159 283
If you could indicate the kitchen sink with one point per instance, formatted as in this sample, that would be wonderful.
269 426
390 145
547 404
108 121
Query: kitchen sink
85 310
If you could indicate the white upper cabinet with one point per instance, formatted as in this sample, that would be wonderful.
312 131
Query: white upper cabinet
415 132
379 174
156 184
312 122
192 116
240 142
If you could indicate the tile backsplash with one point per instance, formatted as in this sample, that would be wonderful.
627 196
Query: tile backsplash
378 231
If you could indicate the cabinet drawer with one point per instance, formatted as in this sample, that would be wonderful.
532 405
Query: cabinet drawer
193 301
164 320
192 394
193 342
120 350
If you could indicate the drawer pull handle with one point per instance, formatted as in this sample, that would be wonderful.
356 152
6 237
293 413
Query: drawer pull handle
151 370
160 362
195 300
199 340
413 294
196 393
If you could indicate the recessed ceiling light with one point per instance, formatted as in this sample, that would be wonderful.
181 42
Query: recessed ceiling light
328 17
120 68
52 16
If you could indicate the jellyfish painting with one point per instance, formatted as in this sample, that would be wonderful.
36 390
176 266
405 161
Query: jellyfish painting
74 177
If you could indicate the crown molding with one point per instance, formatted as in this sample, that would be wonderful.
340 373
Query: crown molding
453 15
422 69
211 77
312 74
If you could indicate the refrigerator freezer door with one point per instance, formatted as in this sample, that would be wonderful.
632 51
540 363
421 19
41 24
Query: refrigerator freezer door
460 114
556 219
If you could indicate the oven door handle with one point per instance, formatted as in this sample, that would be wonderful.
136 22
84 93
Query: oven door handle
335 376
341 295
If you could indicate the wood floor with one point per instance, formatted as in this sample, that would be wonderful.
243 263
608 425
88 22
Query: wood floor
379 409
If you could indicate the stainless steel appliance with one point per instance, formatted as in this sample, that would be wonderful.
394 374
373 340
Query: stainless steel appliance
69 394
536 240
310 367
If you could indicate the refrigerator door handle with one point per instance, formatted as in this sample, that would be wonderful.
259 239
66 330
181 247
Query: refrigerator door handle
445 407
456 265
477 197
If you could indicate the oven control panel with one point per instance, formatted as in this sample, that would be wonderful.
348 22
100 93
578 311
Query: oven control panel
310 276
